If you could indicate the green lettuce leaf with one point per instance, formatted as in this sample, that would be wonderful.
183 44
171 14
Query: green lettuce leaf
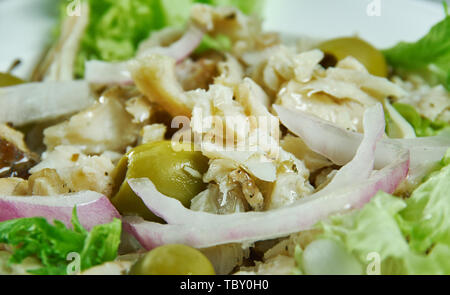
35 237
248 6
422 126
374 229
427 215
408 236
430 56
101 244
116 27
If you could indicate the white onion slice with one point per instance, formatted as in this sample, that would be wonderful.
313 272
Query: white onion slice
200 229
100 72
181 49
92 208
42 101
339 145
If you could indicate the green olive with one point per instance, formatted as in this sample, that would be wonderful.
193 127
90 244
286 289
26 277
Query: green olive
173 260
9 80
177 174
365 53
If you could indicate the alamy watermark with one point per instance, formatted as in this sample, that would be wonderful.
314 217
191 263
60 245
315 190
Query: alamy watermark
374 266
74 8
374 8
74 266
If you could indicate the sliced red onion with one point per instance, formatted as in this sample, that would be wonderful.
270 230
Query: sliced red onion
201 229
100 72
339 145
92 208
361 167
321 136
42 101
181 49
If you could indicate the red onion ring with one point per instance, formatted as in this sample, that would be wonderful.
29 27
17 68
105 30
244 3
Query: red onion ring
92 208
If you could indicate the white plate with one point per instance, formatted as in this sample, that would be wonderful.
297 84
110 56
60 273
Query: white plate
26 25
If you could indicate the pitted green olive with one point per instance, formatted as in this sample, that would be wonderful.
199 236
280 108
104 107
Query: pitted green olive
173 260
365 53
175 173
9 80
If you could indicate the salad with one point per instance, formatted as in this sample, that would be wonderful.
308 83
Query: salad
179 137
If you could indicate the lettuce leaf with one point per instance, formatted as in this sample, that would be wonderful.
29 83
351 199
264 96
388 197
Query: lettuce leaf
430 56
409 236
52 243
422 126
116 27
